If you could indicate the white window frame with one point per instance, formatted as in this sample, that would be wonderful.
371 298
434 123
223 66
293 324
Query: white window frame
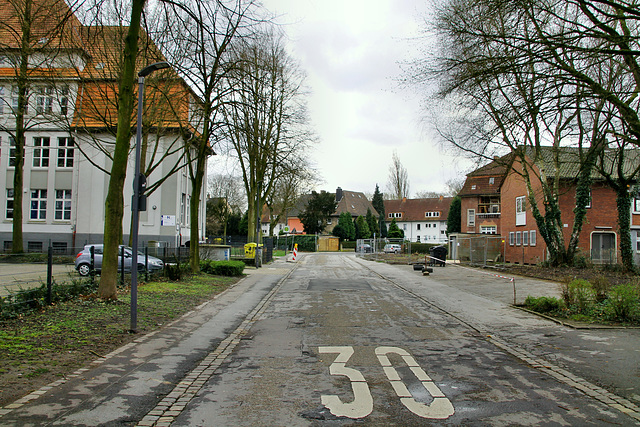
38 206
518 238
488 229
532 238
65 152
12 152
8 212
512 238
635 204
588 206
44 101
62 205
64 100
41 151
521 210
471 217
525 238
492 180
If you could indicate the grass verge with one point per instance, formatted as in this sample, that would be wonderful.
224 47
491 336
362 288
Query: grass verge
43 347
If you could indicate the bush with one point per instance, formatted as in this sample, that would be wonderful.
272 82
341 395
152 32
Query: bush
222 268
623 303
173 271
346 244
422 248
578 295
28 300
543 304
601 287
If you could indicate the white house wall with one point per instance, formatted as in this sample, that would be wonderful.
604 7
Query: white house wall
89 186
434 234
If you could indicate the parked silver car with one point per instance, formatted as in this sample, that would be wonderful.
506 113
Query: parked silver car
83 260
392 249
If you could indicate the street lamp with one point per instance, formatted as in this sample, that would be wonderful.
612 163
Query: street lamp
138 181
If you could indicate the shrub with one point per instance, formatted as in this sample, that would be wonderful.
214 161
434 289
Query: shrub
623 303
422 248
543 304
173 271
601 286
578 295
222 268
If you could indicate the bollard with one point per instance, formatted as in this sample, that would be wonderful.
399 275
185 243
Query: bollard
92 271
122 268
146 263
49 273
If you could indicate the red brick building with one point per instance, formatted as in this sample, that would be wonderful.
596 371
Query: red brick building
599 237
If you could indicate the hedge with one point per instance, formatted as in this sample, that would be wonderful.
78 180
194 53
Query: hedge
222 268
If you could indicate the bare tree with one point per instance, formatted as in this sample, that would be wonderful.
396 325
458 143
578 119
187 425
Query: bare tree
266 116
398 184
226 196
36 39
508 75
197 39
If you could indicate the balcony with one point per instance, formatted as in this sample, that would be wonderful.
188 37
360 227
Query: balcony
494 215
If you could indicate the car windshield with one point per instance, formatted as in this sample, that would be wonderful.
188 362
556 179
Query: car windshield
129 251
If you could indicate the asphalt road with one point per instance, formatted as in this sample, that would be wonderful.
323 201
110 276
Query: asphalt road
334 340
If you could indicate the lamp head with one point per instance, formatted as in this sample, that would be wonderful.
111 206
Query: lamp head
153 67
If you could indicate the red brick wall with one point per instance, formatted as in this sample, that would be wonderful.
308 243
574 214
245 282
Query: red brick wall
466 204
514 186
601 217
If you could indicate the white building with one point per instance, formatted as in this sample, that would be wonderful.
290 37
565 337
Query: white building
422 220
70 135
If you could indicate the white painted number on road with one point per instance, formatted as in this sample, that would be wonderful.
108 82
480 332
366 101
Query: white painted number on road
440 408
362 404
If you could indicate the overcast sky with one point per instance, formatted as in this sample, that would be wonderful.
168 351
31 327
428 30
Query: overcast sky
352 51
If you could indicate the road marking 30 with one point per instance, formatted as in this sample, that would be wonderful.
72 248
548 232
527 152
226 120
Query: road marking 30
362 405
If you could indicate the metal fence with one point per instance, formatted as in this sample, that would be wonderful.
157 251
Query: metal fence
483 250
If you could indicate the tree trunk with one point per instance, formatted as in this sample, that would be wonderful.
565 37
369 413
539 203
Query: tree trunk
624 226
18 176
196 190
114 204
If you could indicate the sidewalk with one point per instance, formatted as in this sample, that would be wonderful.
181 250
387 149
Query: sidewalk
123 386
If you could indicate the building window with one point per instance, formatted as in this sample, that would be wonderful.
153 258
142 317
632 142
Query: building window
41 152
636 204
13 152
65 152
418 239
638 242
532 238
15 98
418 227
44 101
2 99
404 226
9 209
63 205
59 247
525 238
431 214
473 187
491 180
471 217
64 100
183 201
34 246
488 229
511 238
518 238
521 211
38 204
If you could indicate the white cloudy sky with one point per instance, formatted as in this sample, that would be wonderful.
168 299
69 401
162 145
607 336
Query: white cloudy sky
352 51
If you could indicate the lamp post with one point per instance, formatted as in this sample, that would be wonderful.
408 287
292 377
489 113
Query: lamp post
135 203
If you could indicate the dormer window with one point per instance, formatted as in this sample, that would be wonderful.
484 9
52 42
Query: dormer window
473 187
492 180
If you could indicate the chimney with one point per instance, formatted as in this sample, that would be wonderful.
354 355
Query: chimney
441 198
338 194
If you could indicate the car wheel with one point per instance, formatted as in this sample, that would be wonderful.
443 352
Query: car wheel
84 269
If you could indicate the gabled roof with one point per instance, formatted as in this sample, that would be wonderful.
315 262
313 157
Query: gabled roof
354 202
416 209
487 179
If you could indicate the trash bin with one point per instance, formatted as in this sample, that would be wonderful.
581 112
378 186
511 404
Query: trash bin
440 255
250 250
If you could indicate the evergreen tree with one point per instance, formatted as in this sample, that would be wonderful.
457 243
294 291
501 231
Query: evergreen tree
383 226
394 230
345 229
319 209
378 202
372 222
362 228
454 219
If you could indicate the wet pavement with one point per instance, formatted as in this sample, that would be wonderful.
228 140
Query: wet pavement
336 340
